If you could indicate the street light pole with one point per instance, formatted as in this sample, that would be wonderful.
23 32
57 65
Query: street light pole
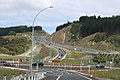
51 50
31 56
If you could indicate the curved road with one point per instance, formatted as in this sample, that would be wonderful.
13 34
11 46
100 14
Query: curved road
61 54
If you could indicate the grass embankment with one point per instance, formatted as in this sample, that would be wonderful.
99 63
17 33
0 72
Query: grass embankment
14 45
73 57
44 53
108 74
8 73
12 57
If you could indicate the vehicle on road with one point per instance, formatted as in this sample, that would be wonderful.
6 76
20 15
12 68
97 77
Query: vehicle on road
39 64
59 57
4 63
100 66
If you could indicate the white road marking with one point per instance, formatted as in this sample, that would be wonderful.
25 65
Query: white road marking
67 72
50 71
59 76
84 77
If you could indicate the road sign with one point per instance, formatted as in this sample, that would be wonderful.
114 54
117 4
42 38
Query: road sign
55 61
37 60
89 62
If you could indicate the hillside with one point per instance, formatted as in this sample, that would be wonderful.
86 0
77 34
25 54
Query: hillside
18 43
14 45
110 43
62 36
87 25
91 32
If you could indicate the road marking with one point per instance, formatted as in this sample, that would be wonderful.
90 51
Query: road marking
50 71
67 72
59 76
84 77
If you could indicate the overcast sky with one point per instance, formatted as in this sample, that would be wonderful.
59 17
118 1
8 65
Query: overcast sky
22 12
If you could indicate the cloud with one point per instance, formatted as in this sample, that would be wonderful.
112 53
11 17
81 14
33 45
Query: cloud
20 11
17 12
22 6
31 4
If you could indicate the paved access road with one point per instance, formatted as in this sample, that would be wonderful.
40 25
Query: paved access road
60 74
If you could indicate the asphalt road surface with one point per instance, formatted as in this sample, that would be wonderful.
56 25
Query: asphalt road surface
60 74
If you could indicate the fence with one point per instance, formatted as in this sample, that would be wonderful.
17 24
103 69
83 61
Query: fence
36 76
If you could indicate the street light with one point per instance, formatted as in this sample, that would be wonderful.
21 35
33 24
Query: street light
51 50
31 56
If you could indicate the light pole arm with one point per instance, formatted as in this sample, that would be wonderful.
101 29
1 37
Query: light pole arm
39 13
31 56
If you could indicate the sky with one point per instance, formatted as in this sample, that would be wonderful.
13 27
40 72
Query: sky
22 12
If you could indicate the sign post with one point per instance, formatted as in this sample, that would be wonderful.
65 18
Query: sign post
89 65
80 64
37 62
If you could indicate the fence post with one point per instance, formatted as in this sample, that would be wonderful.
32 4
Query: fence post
13 76
24 76
4 78
39 76
28 77
34 77
20 76
42 75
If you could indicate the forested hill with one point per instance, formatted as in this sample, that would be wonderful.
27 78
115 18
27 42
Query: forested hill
87 25
17 29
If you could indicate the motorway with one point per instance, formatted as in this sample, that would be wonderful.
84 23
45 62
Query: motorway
42 40
61 54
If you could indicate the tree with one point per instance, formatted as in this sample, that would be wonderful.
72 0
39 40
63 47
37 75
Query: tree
75 32
63 26
12 33
17 29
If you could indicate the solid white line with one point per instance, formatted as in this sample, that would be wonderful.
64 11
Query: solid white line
84 77
56 55
59 76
